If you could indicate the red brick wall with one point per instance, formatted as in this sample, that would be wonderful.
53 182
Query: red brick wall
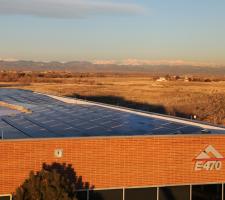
113 162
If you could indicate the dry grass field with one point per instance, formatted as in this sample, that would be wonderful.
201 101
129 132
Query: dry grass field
206 100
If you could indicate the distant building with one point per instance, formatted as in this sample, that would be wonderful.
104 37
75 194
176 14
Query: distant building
161 79
186 79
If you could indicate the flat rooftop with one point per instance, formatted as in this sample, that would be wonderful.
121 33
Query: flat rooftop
58 117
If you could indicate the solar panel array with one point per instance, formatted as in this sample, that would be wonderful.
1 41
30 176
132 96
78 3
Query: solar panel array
52 118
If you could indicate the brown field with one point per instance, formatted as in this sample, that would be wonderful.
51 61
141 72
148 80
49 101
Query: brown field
204 98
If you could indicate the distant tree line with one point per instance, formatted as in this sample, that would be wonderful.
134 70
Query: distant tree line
66 76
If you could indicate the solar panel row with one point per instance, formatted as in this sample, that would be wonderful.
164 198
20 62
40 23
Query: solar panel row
53 118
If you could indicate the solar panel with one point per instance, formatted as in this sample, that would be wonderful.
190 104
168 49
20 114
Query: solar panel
28 128
9 132
53 118
6 111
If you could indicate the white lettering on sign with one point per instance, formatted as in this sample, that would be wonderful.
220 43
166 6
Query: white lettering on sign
209 159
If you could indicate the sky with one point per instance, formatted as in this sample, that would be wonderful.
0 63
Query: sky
113 30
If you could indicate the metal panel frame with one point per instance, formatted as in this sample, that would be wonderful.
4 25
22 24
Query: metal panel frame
6 195
156 187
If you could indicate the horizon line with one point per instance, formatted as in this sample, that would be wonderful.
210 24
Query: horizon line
127 62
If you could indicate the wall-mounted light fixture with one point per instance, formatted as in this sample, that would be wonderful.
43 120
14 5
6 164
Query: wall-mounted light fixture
58 153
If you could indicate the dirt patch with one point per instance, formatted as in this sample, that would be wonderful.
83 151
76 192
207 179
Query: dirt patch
14 107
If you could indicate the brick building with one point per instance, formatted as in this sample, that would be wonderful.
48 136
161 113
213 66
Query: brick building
122 153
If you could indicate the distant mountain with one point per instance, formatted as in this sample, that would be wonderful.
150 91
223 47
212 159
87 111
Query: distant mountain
83 66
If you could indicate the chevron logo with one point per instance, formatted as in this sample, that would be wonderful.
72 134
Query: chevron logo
209 159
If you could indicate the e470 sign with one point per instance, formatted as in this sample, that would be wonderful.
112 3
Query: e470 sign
209 159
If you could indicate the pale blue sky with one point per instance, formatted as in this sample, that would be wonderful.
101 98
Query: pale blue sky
191 30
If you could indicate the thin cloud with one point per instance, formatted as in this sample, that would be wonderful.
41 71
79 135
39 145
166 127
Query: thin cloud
67 8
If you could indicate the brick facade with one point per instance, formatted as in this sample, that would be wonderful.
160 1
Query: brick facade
113 161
